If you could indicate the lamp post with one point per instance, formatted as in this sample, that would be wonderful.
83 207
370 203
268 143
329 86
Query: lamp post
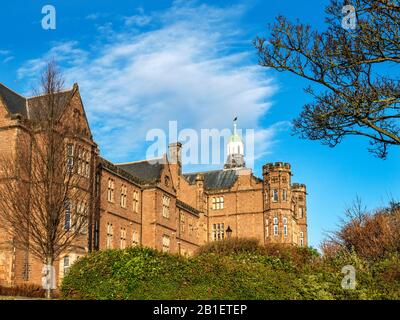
229 232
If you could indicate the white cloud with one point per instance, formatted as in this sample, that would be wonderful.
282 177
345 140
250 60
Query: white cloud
182 70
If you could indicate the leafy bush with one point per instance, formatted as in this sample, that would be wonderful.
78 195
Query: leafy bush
30 291
239 270
230 246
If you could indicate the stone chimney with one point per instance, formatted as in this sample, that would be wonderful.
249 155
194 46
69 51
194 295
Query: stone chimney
175 160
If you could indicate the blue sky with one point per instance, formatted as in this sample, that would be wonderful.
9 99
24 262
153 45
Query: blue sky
140 64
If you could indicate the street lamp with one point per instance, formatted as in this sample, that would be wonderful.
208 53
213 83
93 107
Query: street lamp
229 232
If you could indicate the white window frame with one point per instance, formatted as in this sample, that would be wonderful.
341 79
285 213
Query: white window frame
124 196
122 242
276 226
136 201
66 265
218 231
218 203
135 238
275 195
284 195
110 191
110 236
165 206
166 243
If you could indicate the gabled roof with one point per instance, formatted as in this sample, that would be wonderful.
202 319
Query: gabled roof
112 167
15 103
35 104
30 107
149 172
213 180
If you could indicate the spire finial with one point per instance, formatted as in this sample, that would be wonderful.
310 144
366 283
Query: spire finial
235 125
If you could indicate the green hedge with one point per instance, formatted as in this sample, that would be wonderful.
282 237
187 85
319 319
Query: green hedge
142 273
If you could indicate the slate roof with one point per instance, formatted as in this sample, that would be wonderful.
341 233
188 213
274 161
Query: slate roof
28 107
112 167
14 102
144 170
218 179
35 104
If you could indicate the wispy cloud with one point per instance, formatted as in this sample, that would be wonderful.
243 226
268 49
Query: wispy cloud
6 56
182 70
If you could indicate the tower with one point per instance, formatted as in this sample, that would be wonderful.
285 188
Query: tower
235 150
299 193
279 222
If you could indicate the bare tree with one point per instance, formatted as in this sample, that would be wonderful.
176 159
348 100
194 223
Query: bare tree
370 235
356 72
44 183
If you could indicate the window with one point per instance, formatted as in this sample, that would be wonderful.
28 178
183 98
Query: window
165 243
124 195
218 231
110 193
301 239
182 222
110 235
191 228
67 265
276 226
217 203
284 195
135 238
165 209
301 212
122 243
67 218
70 157
81 161
275 196
275 179
285 227
135 201
81 224
87 165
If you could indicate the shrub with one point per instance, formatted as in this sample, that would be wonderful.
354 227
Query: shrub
28 290
230 246
234 269
371 235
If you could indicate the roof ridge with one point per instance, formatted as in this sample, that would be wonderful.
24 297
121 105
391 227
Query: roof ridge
45 94
138 161
197 172
2 84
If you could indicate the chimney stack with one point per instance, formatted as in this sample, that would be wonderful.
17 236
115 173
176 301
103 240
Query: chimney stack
175 155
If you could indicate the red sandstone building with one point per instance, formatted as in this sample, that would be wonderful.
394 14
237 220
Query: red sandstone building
156 204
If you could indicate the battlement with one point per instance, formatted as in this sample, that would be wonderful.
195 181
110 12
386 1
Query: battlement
277 166
299 187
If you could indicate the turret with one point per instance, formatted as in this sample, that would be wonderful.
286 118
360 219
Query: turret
277 177
278 214
299 192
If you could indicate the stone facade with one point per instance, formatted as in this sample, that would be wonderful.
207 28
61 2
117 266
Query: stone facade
155 204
